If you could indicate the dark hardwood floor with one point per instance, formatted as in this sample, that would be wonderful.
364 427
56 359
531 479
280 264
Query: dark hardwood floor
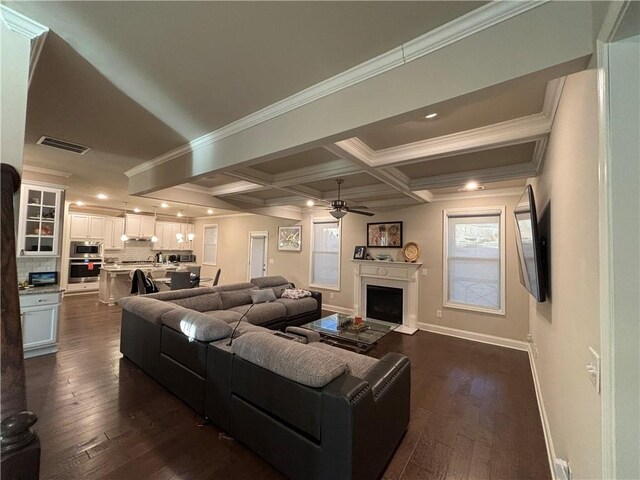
474 412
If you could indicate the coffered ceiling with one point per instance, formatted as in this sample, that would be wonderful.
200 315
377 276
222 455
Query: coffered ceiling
137 80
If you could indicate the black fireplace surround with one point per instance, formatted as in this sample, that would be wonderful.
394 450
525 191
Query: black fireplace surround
384 303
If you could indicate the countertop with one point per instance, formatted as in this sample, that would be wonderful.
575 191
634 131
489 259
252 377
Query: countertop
41 290
143 266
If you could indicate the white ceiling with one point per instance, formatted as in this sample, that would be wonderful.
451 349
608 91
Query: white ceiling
134 80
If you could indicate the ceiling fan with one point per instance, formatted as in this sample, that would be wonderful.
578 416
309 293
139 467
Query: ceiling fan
339 207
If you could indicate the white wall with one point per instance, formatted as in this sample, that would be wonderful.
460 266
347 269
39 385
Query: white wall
566 325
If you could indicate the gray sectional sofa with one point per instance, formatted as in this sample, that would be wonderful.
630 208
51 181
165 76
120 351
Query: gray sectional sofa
310 409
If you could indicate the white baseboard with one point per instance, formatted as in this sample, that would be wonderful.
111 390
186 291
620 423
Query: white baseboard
551 453
476 337
333 308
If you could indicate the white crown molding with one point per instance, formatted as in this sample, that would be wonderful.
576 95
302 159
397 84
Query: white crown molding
494 174
539 153
552 97
191 187
241 186
46 171
249 200
226 215
330 169
498 192
16 22
37 44
511 132
473 22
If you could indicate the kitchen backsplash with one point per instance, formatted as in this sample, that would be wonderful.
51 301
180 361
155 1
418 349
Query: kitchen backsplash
34 264
136 250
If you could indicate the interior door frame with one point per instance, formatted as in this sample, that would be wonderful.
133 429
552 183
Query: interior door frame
611 320
253 234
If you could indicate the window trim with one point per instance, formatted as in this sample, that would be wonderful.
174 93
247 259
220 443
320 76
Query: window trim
470 212
204 228
315 220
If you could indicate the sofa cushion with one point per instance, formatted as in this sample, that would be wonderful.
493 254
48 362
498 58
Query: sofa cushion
233 286
226 316
358 364
146 308
201 303
196 325
269 282
176 294
262 313
235 298
298 362
298 307
242 328
262 296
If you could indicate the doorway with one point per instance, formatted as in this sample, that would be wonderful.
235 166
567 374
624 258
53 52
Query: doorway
258 252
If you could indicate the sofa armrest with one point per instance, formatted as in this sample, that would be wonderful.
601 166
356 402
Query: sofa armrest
385 371
318 297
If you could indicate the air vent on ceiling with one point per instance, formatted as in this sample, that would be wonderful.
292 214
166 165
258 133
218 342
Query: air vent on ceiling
63 145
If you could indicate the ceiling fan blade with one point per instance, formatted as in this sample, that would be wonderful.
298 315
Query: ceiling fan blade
359 206
369 214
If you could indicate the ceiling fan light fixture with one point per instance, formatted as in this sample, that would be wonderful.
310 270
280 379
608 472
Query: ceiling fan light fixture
338 214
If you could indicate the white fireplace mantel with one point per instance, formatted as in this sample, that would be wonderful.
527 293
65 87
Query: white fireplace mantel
388 274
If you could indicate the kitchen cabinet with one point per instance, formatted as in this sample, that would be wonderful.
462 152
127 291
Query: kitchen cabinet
86 226
114 228
139 226
39 221
39 317
167 239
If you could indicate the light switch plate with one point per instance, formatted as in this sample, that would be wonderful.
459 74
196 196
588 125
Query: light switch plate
271 261
593 369
424 272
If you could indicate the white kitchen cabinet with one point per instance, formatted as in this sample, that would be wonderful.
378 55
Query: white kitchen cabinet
39 315
39 221
139 226
114 228
162 232
86 226
167 240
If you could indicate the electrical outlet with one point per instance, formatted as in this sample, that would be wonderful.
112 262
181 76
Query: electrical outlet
593 369
439 313
271 261
424 272
331 295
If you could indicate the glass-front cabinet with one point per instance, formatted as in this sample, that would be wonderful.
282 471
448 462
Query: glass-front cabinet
39 228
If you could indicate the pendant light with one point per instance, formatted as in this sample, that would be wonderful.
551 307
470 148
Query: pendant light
179 235
123 237
154 239
190 235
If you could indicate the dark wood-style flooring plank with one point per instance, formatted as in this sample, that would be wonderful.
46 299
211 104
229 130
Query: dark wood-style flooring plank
473 412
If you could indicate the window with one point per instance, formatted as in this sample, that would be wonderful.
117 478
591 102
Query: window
210 245
474 259
325 253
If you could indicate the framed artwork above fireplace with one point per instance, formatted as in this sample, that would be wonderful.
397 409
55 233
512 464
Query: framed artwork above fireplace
384 235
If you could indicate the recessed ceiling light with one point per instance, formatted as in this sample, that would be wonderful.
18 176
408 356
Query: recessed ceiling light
164 205
101 196
210 211
137 210
471 185
431 115
179 214
310 203
79 203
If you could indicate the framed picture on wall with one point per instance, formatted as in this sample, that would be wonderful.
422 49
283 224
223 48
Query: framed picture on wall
384 235
359 252
290 238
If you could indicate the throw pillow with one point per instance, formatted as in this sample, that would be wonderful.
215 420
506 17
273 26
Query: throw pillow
262 296
295 293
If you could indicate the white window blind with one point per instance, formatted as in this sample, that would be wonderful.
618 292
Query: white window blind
325 253
210 245
474 260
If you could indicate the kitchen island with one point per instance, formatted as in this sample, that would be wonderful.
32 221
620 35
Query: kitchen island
115 280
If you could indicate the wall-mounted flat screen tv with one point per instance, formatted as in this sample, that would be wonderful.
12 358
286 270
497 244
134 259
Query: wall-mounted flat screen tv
530 246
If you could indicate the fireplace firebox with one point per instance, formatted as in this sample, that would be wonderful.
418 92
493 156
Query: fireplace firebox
384 303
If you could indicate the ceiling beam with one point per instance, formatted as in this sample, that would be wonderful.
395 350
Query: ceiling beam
494 174
562 30
255 176
322 171
235 187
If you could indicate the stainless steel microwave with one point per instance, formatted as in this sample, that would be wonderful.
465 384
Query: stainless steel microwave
186 258
82 249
